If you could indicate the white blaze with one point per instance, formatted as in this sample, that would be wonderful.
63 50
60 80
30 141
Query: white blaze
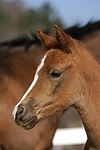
31 86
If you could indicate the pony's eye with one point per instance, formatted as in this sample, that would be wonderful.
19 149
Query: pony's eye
55 74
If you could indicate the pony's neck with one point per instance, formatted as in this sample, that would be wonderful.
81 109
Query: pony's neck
89 107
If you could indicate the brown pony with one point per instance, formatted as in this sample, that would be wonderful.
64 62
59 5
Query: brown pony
67 76
16 73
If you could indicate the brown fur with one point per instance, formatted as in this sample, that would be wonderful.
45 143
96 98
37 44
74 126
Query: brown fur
77 86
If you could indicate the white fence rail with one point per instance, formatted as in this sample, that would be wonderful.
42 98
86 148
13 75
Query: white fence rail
72 136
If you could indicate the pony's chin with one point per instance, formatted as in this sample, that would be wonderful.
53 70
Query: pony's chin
28 123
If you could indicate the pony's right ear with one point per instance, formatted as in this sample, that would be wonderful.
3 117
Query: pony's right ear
47 41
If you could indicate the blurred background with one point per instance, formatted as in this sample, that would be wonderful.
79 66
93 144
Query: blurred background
21 16
18 17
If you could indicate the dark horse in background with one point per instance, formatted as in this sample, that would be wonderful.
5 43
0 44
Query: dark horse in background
18 61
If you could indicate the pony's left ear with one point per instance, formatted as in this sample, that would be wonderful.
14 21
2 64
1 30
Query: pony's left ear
66 42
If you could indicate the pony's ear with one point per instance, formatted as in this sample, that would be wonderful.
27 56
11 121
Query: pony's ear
48 42
66 42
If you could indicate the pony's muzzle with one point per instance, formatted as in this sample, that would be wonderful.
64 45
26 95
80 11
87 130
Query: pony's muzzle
24 117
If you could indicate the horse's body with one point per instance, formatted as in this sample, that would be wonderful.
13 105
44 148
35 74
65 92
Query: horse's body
67 76
16 66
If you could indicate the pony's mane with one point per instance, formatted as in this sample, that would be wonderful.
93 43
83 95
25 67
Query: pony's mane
75 31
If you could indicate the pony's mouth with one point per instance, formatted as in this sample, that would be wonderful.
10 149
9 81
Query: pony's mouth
27 123
30 123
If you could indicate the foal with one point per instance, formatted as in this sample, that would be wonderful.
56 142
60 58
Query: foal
67 76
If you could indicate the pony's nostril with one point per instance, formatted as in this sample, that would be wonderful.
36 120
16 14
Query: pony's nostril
20 112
